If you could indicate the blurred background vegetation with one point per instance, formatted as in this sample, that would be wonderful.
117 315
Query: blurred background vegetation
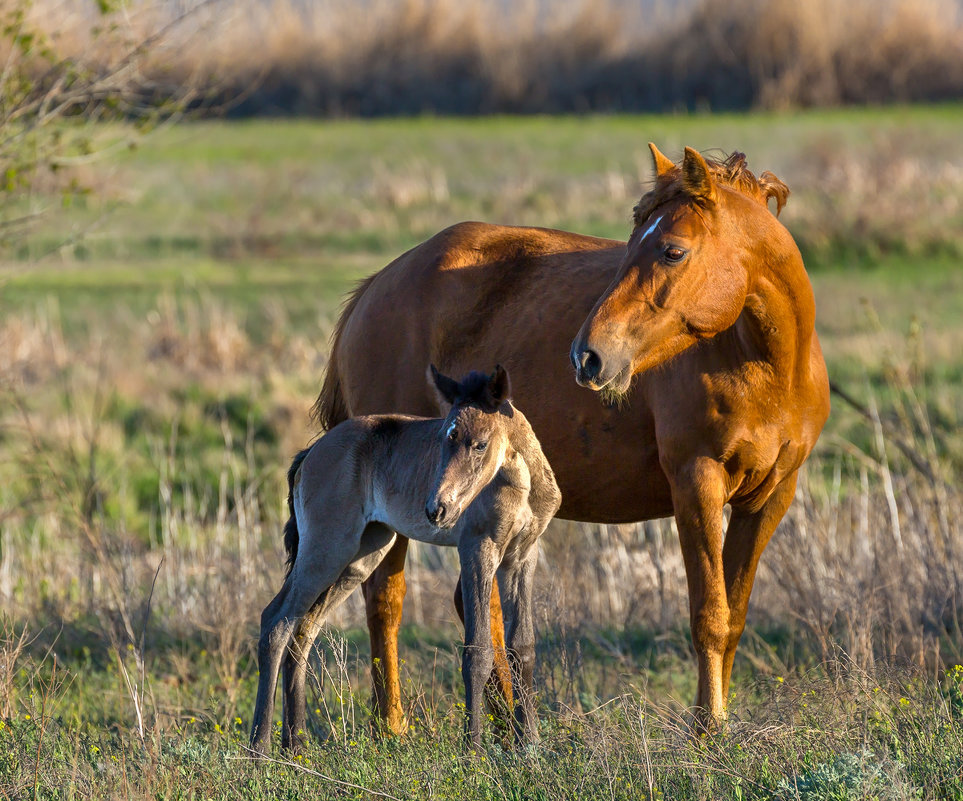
168 282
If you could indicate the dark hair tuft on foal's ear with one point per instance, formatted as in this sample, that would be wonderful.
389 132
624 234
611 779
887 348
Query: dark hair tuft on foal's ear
448 387
499 386
487 391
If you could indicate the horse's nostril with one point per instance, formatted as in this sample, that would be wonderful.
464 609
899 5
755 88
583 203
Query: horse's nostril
589 364
436 514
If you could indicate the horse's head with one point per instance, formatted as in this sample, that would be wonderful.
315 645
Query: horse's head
686 270
474 441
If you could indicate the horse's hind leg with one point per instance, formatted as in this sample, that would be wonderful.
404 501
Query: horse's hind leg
273 639
311 575
375 542
278 622
384 596
498 690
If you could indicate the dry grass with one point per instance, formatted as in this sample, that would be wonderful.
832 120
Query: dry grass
418 56
113 474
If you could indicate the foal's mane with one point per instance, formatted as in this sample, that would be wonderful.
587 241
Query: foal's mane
473 389
731 170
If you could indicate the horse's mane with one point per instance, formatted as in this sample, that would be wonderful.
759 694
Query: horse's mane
731 171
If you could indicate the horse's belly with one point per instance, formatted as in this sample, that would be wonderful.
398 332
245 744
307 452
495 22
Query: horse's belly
621 482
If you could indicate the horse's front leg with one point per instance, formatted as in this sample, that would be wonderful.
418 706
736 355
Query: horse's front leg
498 690
384 596
517 580
698 495
746 538
478 560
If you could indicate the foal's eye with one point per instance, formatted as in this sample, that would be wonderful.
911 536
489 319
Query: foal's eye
674 254
480 446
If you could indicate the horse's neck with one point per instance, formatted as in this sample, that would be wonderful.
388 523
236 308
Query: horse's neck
779 314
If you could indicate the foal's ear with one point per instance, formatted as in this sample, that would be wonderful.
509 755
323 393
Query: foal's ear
696 177
499 386
447 387
661 163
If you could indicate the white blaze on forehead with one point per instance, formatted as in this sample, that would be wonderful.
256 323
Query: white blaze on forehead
652 227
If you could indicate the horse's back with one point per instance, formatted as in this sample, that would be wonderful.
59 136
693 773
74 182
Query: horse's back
468 290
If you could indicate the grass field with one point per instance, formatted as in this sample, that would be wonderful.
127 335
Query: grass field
162 338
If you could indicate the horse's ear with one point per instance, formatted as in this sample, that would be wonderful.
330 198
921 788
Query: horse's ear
499 386
696 178
447 387
661 163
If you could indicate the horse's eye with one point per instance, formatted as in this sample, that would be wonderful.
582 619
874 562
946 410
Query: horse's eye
480 446
674 254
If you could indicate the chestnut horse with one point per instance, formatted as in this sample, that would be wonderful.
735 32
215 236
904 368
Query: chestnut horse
701 327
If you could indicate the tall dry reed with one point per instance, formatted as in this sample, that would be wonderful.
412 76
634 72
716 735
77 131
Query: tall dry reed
439 56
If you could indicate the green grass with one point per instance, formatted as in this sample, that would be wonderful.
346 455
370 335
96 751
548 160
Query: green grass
829 733
156 375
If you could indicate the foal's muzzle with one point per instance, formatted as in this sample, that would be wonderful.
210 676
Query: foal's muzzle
436 512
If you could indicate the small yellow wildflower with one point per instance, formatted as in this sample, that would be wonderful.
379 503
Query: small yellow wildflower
904 701
780 679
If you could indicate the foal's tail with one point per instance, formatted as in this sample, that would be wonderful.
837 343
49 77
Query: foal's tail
291 527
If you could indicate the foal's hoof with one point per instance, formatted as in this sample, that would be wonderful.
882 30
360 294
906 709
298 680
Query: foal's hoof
257 752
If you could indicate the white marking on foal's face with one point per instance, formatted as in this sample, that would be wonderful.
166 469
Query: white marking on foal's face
652 227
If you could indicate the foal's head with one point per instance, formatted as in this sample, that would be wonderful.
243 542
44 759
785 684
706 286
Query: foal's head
699 235
474 440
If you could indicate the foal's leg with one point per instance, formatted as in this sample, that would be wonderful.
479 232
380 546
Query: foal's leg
498 691
478 560
299 593
517 580
746 538
375 542
698 495
384 595
270 644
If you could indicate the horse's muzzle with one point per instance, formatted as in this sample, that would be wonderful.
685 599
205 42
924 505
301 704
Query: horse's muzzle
437 513
587 365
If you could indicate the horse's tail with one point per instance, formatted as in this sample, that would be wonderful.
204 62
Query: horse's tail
291 527
330 408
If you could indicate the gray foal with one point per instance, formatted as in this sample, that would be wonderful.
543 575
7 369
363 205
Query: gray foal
476 480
